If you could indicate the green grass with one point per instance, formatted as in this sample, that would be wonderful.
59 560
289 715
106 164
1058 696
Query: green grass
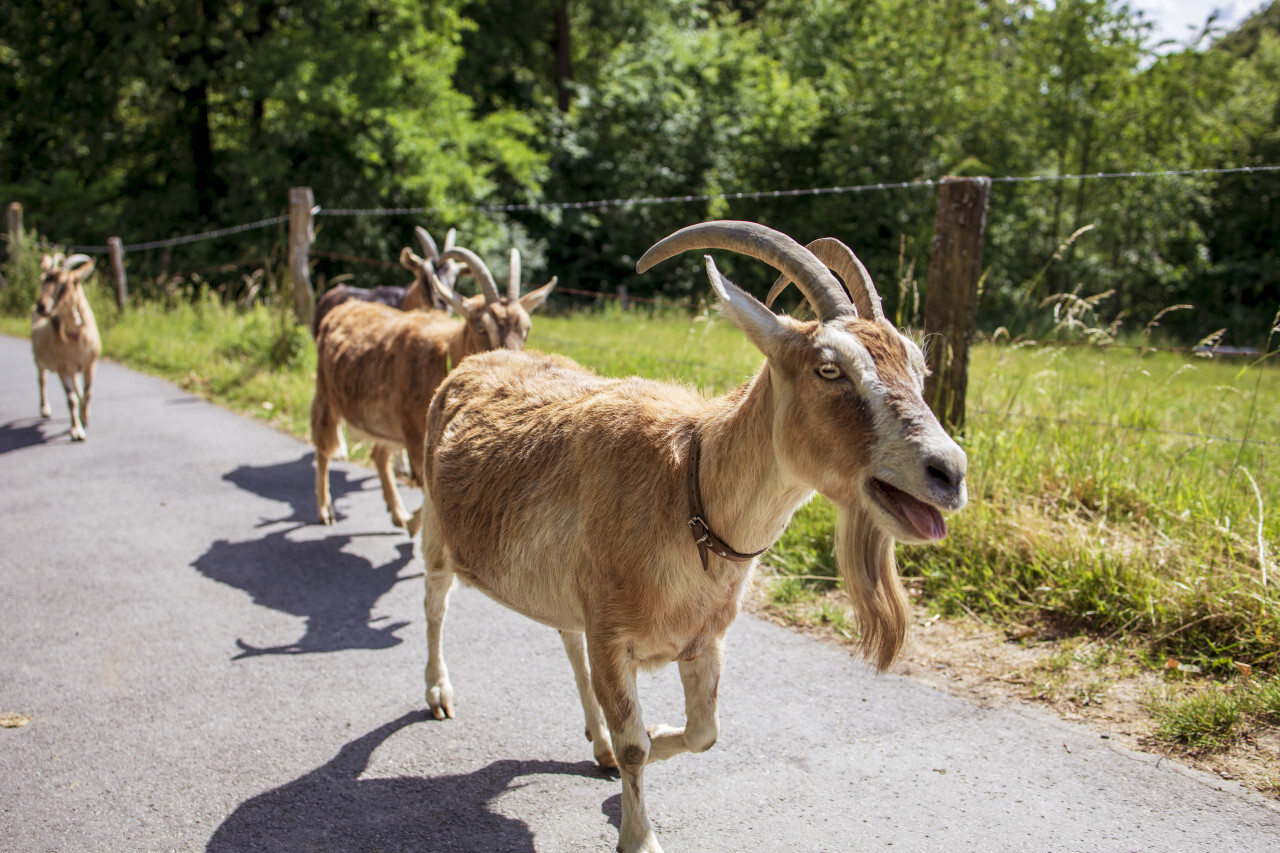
1209 719
1213 717
1112 492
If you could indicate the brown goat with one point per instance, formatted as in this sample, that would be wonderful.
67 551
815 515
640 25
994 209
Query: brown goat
377 367
571 498
64 335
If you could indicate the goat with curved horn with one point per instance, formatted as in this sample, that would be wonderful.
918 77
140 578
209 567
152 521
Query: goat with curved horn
629 514
376 368
841 260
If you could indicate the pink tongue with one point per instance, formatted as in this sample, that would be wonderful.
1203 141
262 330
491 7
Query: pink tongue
926 520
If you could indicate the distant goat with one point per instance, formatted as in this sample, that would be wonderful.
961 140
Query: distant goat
376 369
611 509
64 335
417 296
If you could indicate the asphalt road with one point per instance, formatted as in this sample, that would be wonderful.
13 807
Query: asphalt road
207 668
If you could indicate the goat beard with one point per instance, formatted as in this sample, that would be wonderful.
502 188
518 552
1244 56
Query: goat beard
864 556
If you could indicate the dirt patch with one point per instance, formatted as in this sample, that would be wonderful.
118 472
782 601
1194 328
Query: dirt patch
1103 686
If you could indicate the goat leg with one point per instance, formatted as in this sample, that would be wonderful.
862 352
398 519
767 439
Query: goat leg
701 679
438 573
382 454
84 397
45 411
326 436
575 644
614 678
73 405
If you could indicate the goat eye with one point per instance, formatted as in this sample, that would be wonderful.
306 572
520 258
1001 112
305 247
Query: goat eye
830 370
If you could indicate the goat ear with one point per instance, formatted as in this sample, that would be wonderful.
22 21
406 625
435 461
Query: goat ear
749 314
85 270
46 262
533 300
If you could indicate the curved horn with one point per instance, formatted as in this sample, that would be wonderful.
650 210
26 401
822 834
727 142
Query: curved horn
841 260
410 261
478 269
450 239
73 261
450 296
794 261
513 283
428 245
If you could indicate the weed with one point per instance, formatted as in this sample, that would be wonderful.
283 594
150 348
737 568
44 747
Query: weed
1206 719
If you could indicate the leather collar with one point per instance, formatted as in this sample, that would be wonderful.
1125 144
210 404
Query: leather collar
698 525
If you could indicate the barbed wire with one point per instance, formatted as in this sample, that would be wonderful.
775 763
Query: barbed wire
675 199
179 241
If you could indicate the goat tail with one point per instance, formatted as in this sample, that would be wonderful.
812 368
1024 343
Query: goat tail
864 555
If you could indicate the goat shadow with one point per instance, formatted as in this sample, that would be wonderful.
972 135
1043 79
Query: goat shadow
332 808
28 432
333 590
293 483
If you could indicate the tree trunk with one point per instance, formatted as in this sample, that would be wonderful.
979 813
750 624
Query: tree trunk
564 64
204 179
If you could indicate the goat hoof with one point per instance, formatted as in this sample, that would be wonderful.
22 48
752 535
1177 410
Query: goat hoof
440 700
647 844
326 516
77 435
46 413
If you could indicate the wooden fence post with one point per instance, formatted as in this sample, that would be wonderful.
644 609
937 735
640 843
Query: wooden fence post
951 302
301 201
15 235
15 221
116 247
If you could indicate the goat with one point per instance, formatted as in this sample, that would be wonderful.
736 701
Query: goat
64 335
376 369
418 296
571 498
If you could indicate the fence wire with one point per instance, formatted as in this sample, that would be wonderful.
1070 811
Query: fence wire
180 241
645 201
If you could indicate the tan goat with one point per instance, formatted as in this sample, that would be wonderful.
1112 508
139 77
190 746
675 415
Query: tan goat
377 367
64 335
611 509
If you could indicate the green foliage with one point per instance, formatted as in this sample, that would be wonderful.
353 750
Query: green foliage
22 275
163 118
157 119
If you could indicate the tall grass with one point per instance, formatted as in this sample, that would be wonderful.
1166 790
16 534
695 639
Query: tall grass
1114 491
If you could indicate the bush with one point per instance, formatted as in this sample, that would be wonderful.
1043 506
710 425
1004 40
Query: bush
22 273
